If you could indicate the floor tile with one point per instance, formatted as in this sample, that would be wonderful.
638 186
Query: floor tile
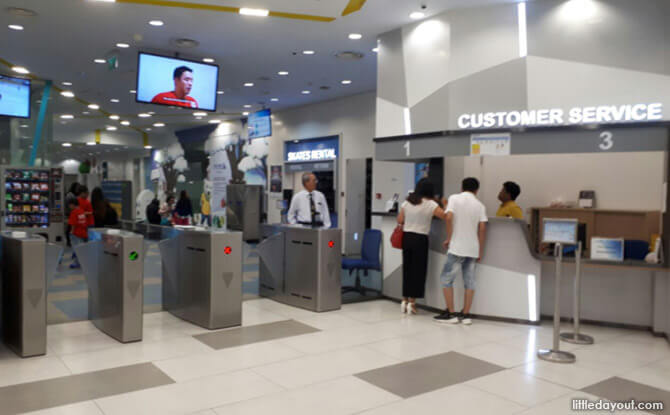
428 374
81 408
618 389
226 360
564 405
77 388
330 321
71 329
16 370
373 311
500 354
570 375
240 336
321 367
604 360
519 387
341 396
457 399
83 343
652 375
189 397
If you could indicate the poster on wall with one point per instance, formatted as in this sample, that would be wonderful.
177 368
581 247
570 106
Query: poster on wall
220 175
607 249
491 144
275 179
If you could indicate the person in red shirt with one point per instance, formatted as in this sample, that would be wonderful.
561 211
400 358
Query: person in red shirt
85 205
78 222
183 83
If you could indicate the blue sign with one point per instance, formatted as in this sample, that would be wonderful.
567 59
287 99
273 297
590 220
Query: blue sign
607 249
315 149
260 124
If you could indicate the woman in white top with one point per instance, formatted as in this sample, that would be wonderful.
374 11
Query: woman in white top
416 214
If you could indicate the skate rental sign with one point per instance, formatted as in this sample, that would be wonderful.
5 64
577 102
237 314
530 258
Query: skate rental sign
604 114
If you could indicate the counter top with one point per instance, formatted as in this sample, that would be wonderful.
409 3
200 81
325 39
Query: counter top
393 214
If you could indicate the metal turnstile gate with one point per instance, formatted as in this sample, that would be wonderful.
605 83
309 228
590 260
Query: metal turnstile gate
113 263
202 277
28 267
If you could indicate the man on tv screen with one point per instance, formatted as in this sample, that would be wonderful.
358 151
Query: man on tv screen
183 83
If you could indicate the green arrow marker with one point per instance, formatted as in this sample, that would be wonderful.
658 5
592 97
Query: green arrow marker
133 256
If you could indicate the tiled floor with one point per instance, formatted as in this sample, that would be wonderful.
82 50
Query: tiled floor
366 358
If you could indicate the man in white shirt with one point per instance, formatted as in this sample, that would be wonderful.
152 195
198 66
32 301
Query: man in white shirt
309 206
466 233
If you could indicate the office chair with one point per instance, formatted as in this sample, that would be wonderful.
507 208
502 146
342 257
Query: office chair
370 260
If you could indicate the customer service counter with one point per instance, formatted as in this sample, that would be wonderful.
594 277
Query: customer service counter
515 283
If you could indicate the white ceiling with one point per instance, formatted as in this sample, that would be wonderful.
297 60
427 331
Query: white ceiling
62 41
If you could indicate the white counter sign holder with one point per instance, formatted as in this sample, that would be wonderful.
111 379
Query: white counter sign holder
575 336
559 232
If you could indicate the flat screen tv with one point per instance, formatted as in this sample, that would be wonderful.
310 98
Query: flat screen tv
260 124
175 82
14 97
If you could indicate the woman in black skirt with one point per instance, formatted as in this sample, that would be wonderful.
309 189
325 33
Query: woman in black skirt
416 214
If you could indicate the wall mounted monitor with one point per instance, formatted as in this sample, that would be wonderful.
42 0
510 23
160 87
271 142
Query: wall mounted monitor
176 82
260 124
563 231
14 97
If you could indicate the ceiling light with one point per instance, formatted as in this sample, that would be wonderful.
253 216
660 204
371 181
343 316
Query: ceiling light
110 128
156 23
15 27
219 92
208 60
282 73
247 106
254 12
67 144
114 117
85 112
274 99
66 83
24 125
94 106
67 94
148 129
67 116
114 100
126 123
132 91
122 45
198 118
99 60
148 147
105 1
355 36
152 113
215 121
346 82
159 124
20 69
306 92
144 115
91 143
375 50
199 114
417 15
576 10
245 113
249 84
308 52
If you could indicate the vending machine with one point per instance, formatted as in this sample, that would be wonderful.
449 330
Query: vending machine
33 201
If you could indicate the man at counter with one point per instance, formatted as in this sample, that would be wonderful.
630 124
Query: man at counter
466 232
309 206
507 196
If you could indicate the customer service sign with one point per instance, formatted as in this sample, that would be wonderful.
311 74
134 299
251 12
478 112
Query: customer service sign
604 114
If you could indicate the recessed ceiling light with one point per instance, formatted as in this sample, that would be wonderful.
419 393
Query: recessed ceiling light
99 60
199 114
67 94
106 1
274 99
346 82
156 23
114 100
126 123
122 45
114 117
144 115
67 144
148 129
247 106
24 125
215 121
152 113
159 124
94 106
308 52
148 147
375 50
132 91
67 116
198 118
85 112
219 92
254 12
20 69
245 113
417 15
306 92
91 143
15 27
66 83
282 73
355 36
249 84
110 128
208 60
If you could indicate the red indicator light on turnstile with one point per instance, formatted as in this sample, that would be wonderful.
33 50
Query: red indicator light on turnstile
227 250
331 244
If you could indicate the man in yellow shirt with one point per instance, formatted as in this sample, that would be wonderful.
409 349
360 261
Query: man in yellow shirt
507 196
205 209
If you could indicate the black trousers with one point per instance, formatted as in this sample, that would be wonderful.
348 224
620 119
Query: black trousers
414 264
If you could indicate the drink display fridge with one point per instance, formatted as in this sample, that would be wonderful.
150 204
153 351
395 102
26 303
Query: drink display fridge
32 201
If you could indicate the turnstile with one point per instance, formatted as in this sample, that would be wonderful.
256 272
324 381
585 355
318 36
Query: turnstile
245 206
300 266
202 277
28 266
113 263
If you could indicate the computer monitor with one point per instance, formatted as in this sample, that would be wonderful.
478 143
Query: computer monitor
560 231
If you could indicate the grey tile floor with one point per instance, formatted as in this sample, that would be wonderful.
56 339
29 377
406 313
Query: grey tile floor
366 358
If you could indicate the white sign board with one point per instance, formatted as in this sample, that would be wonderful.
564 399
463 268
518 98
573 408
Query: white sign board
563 231
490 144
607 249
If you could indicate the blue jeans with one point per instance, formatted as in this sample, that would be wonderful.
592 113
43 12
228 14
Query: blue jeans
456 264
75 240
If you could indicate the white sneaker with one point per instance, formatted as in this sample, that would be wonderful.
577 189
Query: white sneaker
403 306
465 319
411 308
